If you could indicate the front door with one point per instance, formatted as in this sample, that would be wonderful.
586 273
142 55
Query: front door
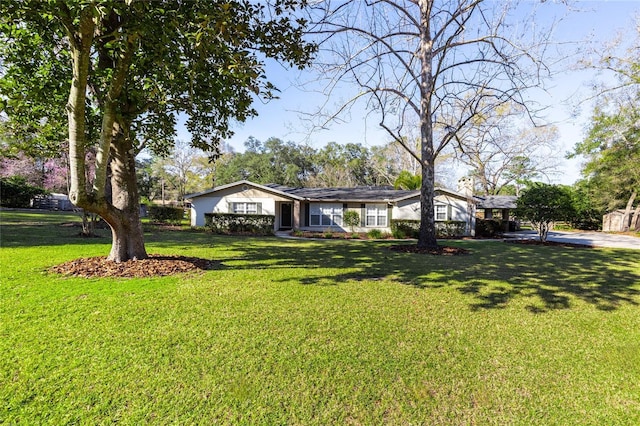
286 216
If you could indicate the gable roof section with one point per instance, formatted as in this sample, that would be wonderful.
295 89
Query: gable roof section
497 201
439 191
265 188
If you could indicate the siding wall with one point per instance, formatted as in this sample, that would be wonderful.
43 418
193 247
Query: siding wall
458 210
220 202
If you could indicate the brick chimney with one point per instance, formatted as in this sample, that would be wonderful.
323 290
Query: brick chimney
465 186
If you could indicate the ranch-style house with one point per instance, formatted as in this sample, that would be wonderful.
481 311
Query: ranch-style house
319 209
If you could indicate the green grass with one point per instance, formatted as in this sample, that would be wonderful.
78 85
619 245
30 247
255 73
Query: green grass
317 332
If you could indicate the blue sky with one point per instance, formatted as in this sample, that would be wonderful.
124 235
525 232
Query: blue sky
600 20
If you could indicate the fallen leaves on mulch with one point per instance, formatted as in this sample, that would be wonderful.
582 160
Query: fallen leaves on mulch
439 251
154 266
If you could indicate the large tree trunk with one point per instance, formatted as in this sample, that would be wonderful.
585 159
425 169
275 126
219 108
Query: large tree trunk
427 234
126 228
627 212
635 221
127 239
80 43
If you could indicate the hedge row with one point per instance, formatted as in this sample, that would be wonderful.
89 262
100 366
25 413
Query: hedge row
166 214
403 228
490 228
228 223
16 192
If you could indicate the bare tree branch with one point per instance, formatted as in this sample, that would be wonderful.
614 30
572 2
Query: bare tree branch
445 64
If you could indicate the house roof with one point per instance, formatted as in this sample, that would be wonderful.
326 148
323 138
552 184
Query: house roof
497 201
355 194
240 183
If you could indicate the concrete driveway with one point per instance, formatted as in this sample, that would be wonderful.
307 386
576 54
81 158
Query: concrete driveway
591 238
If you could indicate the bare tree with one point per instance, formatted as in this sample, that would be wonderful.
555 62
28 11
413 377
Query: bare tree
183 164
439 64
504 149
392 159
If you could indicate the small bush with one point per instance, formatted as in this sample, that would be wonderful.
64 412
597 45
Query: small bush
375 234
488 228
165 214
587 223
398 234
404 228
228 223
450 229
351 218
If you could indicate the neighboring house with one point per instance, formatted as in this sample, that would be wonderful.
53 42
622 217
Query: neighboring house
319 209
490 206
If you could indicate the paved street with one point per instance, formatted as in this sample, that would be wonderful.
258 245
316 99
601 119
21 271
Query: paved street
596 239
591 238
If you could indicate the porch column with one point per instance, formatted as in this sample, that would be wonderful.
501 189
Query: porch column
296 214
505 220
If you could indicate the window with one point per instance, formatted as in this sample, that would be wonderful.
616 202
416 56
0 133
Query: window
325 215
246 208
376 215
441 212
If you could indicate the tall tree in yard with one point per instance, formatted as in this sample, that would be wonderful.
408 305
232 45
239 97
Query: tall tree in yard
428 65
135 65
612 149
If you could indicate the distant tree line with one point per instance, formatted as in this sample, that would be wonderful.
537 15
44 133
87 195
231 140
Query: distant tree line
186 170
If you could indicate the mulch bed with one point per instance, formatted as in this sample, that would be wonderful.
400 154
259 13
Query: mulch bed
439 251
154 266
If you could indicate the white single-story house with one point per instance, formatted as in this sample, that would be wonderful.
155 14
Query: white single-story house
319 209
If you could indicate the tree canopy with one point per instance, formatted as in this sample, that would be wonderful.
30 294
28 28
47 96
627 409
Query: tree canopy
611 172
543 204
300 165
122 70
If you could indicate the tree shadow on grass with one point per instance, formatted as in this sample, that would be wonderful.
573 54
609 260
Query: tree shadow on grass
493 274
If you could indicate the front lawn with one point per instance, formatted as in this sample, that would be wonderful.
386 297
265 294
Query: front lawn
317 332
